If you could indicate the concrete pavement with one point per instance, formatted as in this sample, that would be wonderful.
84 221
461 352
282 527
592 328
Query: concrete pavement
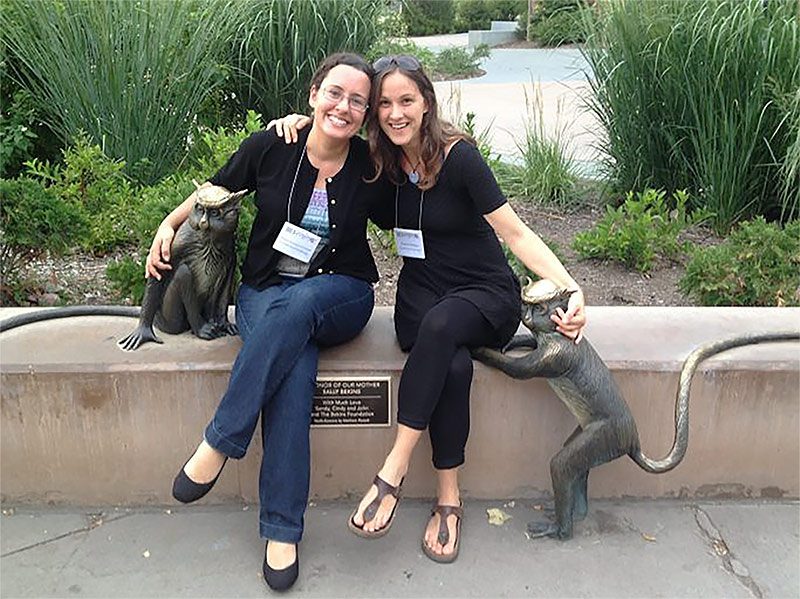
623 549
503 99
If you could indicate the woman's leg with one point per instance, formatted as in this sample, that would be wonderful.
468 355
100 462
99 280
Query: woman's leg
449 430
450 326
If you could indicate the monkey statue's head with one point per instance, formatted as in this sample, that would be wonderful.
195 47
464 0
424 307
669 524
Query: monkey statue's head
216 210
539 300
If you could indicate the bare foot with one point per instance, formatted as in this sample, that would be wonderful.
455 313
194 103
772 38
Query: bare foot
205 464
281 555
432 534
387 505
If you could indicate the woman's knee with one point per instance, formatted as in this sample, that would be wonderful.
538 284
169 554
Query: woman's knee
460 369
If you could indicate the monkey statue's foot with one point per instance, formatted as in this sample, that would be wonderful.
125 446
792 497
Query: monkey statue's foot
538 530
577 515
142 334
209 331
226 328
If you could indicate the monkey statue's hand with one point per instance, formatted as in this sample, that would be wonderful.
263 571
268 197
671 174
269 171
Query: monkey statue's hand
288 126
142 334
159 254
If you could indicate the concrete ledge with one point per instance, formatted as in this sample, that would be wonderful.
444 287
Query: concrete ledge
501 32
85 423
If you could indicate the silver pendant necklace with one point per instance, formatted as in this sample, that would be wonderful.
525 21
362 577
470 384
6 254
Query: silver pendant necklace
413 176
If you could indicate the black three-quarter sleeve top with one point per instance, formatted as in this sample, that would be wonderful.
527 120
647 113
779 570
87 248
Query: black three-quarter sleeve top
267 165
463 257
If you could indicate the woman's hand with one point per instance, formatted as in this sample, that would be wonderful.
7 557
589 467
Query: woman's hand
159 254
288 126
571 322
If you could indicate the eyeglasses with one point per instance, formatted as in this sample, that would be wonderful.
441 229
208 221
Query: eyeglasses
336 95
404 61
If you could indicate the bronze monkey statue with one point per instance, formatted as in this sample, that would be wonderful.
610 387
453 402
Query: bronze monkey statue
606 428
195 294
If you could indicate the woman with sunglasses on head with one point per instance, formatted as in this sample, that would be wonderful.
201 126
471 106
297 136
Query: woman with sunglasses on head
295 297
455 291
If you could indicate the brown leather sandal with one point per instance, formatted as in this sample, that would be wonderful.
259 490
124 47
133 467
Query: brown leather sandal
444 533
384 489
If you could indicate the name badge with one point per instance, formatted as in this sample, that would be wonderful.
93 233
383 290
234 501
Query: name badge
409 243
296 242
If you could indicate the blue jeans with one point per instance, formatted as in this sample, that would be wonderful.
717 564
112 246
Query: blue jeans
283 327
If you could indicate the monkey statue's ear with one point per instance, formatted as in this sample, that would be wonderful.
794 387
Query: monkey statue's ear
196 184
237 195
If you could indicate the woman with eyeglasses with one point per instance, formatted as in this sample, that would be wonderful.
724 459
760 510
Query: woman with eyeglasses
455 290
306 283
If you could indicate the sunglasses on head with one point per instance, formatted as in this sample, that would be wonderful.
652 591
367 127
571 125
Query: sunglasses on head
404 61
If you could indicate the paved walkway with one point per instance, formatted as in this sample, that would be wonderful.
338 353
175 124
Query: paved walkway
623 549
504 99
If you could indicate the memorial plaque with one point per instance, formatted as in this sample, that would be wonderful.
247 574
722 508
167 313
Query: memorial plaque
352 401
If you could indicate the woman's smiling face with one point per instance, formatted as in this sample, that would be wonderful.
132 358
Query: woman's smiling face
338 100
400 109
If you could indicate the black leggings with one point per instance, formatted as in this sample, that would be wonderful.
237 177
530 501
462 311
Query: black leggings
434 388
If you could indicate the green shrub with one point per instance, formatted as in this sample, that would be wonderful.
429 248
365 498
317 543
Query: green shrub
154 202
459 63
639 230
479 14
546 172
132 75
689 94
428 17
280 43
757 265
32 220
557 22
16 133
95 184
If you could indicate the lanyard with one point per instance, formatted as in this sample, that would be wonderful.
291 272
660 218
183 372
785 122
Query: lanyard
421 201
294 181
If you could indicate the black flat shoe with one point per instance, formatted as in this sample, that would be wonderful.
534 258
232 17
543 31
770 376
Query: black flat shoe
185 490
281 580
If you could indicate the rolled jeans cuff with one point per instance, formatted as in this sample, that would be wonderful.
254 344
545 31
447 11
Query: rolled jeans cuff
222 444
281 534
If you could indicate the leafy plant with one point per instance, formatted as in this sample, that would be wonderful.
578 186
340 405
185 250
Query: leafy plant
279 44
557 22
428 17
639 230
757 265
96 185
132 75
33 220
546 172
479 14
16 133
689 94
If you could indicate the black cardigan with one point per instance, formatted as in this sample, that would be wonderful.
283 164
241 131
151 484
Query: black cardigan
267 165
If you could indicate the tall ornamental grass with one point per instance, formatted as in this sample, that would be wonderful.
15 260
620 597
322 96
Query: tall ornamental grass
279 44
697 94
131 74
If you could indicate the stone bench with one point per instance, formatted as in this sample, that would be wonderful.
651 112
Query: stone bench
85 423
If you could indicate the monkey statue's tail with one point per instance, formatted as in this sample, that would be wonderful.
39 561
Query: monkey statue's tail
682 400
67 312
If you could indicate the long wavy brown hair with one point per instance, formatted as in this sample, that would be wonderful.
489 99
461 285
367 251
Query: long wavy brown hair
436 133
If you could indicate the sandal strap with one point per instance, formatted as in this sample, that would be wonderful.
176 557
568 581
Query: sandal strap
384 489
444 511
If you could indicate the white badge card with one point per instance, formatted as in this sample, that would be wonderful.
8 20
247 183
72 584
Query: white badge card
409 243
296 242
